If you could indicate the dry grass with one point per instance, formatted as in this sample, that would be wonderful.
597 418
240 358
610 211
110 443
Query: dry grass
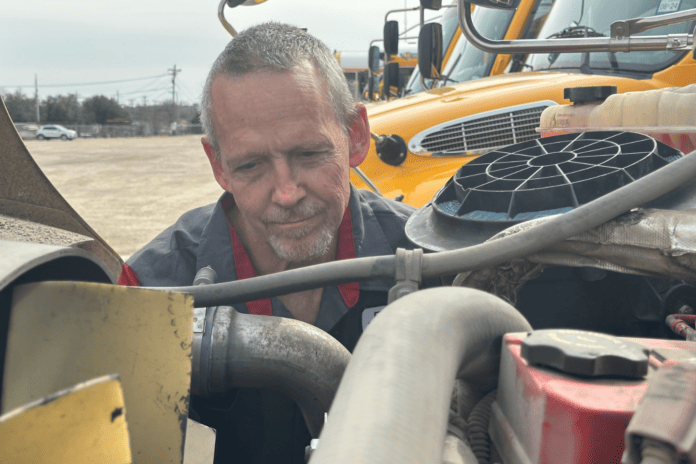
129 189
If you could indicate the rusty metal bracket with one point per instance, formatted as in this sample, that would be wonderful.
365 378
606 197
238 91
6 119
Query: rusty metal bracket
409 264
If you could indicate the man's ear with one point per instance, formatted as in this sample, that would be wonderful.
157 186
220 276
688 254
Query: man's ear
359 137
215 163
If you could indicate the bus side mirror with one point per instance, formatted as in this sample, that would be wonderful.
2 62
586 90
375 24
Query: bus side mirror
391 39
430 50
390 78
499 4
431 4
373 59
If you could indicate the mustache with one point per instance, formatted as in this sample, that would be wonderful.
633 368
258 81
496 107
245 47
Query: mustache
295 214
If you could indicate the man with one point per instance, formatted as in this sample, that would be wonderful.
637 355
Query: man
282 132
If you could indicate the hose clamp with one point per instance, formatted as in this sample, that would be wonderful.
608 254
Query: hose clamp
408 273
206 351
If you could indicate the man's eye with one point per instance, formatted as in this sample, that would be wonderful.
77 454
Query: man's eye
247 166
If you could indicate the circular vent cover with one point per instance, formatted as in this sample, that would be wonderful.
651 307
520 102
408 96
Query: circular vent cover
530 180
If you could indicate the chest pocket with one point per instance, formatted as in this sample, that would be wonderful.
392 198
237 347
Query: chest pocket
351 326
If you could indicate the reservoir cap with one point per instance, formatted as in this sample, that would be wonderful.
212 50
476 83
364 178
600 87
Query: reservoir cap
588 94
586 353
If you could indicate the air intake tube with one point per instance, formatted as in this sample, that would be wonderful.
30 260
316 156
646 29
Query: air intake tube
392 404
239 350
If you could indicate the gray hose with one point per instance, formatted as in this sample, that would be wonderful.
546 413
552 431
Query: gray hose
456 449
478 421
488 254
242 350
393 402
297 280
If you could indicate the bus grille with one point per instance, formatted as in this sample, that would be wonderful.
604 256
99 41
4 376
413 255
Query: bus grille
485 133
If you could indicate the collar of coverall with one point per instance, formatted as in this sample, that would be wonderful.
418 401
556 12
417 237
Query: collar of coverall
245 269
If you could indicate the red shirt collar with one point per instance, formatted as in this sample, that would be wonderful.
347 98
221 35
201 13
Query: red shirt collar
245 269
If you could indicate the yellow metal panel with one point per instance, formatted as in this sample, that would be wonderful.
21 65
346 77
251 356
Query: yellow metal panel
85 424
63 333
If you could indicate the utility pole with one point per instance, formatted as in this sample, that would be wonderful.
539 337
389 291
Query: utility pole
36 99
173 72
117 100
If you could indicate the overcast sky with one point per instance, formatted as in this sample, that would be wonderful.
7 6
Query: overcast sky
84 41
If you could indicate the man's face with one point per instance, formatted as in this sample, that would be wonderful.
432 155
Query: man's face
285 158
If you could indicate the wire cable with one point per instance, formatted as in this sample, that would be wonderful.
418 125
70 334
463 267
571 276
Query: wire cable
87 83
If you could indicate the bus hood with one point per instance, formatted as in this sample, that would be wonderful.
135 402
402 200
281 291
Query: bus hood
551 81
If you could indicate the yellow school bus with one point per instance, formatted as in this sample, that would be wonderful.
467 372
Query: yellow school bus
407 61
447 126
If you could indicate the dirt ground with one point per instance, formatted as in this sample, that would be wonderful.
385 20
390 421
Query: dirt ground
129 189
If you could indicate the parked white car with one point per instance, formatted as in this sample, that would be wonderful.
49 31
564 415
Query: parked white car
55 132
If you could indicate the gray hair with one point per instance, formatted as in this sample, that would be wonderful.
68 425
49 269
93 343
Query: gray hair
278 47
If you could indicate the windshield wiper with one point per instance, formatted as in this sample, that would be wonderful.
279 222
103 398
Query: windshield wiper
518 61
572 32
575 32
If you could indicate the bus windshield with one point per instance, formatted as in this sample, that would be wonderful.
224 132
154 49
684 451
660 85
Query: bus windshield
593 18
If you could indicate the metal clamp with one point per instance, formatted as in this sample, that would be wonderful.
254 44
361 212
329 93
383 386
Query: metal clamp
635 26
408 273
203 319
199 320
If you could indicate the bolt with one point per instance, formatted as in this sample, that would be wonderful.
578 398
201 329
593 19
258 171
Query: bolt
686 309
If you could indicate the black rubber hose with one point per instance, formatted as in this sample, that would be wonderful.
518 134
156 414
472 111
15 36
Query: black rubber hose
297 280
479 439
488 254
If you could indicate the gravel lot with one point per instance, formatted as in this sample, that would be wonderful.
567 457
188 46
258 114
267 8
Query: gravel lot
129 189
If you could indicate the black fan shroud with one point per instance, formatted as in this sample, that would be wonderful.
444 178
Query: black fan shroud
534 179
548 176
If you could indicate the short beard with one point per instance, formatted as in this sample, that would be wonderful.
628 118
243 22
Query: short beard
302 253
282 244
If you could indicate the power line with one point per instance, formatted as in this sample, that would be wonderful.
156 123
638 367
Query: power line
161 96
150 90
181 87
88 83
149 87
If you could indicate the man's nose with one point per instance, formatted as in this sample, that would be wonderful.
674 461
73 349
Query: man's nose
287 190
